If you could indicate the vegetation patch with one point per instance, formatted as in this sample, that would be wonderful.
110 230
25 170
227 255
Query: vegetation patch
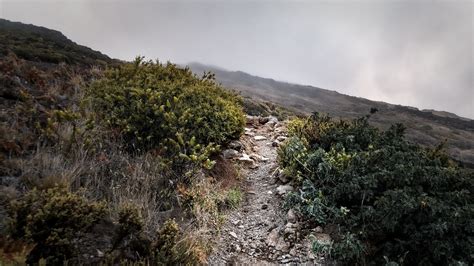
168 109
90 170
383 198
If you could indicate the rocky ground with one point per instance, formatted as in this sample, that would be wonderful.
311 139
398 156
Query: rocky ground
261 231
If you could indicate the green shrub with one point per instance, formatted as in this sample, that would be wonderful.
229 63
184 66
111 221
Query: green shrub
165 245
167 108
51 219
391 200
130 243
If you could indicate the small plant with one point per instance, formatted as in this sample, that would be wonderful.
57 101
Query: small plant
234 197
165 245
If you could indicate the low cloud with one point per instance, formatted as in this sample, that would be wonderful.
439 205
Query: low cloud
417 53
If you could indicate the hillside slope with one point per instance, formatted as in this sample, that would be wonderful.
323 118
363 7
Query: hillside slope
425 127
41 44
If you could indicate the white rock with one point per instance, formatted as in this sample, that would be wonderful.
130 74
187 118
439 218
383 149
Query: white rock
281 138
100 254
233 234
245 158
258 138
284 189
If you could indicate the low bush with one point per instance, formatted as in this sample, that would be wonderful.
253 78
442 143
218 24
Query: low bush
167 108
389 199
51 219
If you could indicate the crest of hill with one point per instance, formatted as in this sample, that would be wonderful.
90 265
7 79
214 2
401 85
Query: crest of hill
40 44
425 127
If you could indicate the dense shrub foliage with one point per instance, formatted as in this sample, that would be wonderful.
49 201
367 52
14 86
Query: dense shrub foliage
52 219
164 107
389 199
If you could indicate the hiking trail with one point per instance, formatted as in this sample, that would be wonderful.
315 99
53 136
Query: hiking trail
261 231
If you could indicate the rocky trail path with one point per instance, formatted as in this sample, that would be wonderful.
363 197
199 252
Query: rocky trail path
261 232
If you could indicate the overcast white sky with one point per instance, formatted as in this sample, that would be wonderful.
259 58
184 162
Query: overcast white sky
417 53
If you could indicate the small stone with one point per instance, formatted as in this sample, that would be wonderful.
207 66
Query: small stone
282 176
230 154
284 189
263 120
100 254
245 158
272 238
270 192
235 222
236 145
264 206
281 245
293 252
291 216
252 119
275 143
258 138
234 235
281 138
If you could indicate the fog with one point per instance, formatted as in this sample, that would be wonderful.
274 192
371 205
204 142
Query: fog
416 53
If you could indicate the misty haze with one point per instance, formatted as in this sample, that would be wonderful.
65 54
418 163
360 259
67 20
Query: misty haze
236 132
415 53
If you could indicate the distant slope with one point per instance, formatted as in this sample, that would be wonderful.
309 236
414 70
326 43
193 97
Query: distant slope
40 44
427 127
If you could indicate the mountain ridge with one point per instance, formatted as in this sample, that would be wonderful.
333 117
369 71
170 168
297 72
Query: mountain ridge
427 127
213 68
